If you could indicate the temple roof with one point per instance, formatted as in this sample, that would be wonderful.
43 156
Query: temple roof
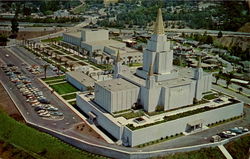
159 25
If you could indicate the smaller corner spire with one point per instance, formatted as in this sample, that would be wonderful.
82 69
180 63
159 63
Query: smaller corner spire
118 58
199 62
151 72
159 25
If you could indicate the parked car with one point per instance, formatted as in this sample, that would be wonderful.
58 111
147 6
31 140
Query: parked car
223 135
44 101
236 130
56 113
215 138
52 109
243 129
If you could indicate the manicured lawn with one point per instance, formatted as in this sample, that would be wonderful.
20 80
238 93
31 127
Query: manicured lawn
211 96
131 115
73 103
64 88
55 81
135 64
34 141
70 96
53 78
205 153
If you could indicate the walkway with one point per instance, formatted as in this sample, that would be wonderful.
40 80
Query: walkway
225 152
231 93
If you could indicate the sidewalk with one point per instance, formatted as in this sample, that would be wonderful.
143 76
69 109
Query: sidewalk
225 152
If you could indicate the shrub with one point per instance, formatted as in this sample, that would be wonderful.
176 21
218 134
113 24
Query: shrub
159 108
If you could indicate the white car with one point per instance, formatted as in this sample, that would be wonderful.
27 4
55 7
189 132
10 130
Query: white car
41 111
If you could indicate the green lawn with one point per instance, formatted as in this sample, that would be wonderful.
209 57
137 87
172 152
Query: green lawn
135 64
211 96
34 141
205 153
55 81
131 115
59 38
53 78
70 96
64 88
73 103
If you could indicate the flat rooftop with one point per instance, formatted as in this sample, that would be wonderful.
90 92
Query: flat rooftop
104 42
124 51
117 85
82 78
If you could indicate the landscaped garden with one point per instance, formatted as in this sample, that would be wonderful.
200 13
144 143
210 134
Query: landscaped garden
55 39
64 88
180 115
69 96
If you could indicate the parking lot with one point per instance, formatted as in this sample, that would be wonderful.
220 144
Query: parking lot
232 132
34 97
65 120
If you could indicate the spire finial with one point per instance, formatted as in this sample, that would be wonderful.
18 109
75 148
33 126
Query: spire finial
118 58
199 62
159 25
151 72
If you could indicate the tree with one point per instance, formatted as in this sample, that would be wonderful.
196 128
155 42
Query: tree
71 65
129 59
14 27
228 82
45 70
3 40
107 59
217 77
240 89
26 11
219 34
58 68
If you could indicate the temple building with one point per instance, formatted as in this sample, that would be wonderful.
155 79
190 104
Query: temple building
125 105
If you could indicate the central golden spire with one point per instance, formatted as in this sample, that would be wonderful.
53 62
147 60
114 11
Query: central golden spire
118 58
159 25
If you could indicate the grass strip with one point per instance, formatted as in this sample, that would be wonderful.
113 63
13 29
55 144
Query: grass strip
37 142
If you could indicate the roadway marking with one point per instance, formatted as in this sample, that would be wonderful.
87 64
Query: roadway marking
225 152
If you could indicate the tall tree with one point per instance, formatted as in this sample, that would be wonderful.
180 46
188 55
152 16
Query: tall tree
240 89
217 77
45 67
228 82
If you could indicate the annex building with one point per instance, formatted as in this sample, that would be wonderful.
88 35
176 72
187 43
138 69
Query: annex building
97 40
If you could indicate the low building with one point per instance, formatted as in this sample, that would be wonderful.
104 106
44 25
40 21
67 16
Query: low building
80 80
94 41
61 13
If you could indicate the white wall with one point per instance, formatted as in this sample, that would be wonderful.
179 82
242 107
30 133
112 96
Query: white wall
110 126
94 35
155 132
75 83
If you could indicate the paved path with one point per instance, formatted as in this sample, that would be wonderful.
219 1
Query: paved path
231 93
225 152
233 86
